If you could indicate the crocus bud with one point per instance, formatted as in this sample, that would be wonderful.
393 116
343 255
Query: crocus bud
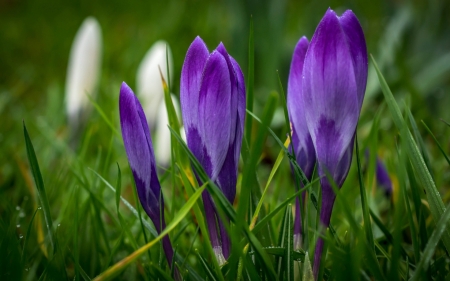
383 179
150 90
139 149
83 71
302 144
212 99
148 79
334 82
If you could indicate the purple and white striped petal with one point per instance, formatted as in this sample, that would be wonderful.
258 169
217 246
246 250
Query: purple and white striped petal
330 92
301 138
240 110
357 45
233 91
139 149
334 81
191 77
138 145
214 113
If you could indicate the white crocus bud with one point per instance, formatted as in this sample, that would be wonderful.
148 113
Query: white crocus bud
83 70
163 134
148 81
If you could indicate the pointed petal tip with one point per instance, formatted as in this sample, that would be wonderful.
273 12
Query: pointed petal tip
198 41
222 50
125 89
330 12
302 43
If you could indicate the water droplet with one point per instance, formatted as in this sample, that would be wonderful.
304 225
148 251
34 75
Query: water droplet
21 236
18 225
26 269
18 208
39 208
59 224
21 214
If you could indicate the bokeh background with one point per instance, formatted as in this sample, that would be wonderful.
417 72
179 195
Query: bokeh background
410 40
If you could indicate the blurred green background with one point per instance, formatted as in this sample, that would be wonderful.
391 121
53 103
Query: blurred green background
409 39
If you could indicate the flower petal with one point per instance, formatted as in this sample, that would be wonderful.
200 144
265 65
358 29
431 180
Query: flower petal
383 178
241 105
191 77
148 79
138 145
83 69
214 113
301 138
234 90
227 177
358 50
330 92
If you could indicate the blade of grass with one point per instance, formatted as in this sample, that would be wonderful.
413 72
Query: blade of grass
27 236
76 254
279 252
297 170
118 267
385 231
224 206
364 204
419 140
200 217
421 172
104 117
129 206
209 272
250 83
440 229
269 180
40 187
436 141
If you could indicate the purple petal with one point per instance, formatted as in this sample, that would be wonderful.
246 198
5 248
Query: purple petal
383 178
234 90
191 76
138 145
214 113
330 92
341 172
227 177
241 101
357 44
301 138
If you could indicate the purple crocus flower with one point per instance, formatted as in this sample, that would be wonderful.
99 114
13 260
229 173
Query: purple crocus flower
302 144
333 86
139 148
383 178
212 99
